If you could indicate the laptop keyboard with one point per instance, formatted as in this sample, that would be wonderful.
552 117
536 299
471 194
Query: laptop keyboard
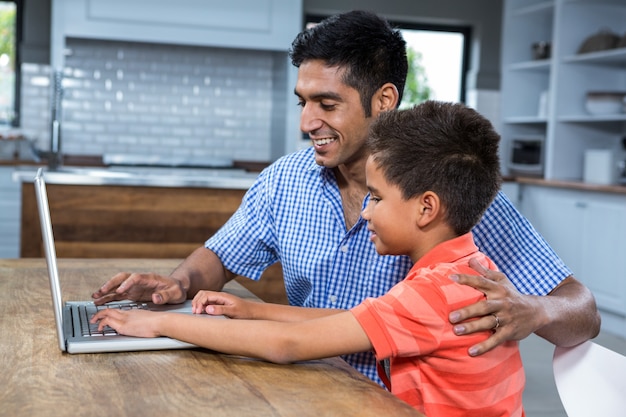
88 310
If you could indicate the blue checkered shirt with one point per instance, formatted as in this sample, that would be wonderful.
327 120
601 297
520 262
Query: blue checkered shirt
293 215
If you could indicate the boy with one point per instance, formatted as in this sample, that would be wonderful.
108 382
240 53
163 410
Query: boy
432 172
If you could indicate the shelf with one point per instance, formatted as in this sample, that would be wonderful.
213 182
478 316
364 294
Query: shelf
535 65
568 128
540 7
595 2
586 118
525 120
611 57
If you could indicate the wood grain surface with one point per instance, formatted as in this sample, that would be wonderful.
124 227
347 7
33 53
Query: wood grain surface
127 221
37 379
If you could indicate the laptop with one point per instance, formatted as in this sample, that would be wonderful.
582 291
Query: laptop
75 333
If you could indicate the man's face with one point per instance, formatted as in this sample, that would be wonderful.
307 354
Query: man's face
332 114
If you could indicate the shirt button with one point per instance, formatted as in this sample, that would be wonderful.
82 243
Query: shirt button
333 299
344 248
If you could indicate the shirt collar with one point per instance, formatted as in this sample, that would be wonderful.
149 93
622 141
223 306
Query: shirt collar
449 251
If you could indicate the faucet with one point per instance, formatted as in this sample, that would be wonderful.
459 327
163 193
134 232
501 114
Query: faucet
55 158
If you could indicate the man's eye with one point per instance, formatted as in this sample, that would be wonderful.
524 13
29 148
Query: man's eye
375 199
301 103
327 106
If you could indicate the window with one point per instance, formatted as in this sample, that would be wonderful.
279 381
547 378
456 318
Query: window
10 12
438 60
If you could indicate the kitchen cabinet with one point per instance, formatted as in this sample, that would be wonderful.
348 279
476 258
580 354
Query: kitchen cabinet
249 24
561 80
587 230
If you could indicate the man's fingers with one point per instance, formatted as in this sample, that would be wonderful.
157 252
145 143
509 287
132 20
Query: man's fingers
496 339
486 322
478 267
477 282
490 274
107 298
169 295
135 280
111 285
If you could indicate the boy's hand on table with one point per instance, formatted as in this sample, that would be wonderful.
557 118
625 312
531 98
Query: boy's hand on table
221 303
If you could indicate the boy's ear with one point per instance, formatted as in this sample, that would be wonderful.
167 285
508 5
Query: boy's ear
429 207
385 99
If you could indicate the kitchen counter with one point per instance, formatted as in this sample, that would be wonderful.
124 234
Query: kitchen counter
574 185
225 178
38 379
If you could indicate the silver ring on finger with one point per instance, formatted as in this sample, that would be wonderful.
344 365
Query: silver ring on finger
495 326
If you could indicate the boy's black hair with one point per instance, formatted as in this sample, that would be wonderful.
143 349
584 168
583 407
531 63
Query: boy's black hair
446 148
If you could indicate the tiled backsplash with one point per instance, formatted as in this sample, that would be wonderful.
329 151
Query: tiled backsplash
133 98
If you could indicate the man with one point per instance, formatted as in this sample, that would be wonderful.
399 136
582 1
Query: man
304 211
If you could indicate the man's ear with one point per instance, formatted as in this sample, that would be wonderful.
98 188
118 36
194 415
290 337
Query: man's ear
385 99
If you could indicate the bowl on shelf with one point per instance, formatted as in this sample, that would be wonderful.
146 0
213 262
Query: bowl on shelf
605 102
600 41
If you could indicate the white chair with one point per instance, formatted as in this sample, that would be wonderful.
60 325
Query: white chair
591 380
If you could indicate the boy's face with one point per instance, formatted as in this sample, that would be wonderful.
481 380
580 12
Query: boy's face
332 114
390 218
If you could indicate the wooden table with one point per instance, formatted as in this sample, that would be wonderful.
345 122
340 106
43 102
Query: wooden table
37 379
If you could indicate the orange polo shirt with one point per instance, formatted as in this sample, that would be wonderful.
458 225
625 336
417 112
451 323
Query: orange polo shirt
429 365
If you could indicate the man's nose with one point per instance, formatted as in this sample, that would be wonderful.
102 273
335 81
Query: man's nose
309 119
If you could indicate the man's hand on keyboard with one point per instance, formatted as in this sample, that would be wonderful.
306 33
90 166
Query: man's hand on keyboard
140 287
136 322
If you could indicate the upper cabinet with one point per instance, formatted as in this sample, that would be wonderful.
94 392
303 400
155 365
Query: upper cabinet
249 24
544 90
